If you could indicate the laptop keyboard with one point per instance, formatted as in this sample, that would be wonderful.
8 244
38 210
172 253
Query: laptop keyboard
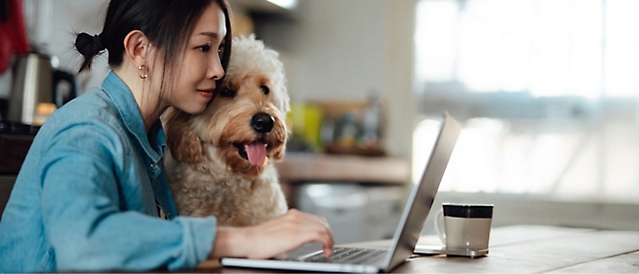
349 255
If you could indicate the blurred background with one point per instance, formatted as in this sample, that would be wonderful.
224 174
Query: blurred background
546 92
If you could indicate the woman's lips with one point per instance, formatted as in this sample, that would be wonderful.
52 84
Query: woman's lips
208 94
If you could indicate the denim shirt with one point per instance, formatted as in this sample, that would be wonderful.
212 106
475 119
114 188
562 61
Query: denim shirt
85 197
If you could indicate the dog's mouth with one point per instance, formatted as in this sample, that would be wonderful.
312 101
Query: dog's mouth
254 152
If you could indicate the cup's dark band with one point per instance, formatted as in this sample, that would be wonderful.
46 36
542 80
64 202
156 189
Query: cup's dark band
468 211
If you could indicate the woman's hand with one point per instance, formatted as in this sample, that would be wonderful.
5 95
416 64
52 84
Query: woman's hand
274 237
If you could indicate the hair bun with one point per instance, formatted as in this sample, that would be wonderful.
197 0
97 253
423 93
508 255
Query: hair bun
88 45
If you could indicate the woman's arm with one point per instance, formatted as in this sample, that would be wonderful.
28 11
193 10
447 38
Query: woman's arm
274 237
87 220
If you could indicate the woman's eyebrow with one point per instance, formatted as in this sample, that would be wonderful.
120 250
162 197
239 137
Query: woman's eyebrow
211 34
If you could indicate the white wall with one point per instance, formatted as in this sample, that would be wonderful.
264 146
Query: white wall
344 50
338 49
399 76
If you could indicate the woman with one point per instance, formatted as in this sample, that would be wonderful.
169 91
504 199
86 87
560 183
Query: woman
92 190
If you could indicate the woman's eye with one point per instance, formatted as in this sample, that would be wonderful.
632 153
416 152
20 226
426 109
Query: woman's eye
227 93
221 49
265 89
205 48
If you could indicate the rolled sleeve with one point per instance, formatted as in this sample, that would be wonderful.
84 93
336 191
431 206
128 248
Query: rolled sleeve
196 246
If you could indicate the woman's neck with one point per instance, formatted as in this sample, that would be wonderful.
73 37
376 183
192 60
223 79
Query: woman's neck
145 96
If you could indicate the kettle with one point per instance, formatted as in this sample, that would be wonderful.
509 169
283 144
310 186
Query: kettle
35 90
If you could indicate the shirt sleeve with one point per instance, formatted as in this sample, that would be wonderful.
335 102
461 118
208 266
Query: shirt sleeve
84 221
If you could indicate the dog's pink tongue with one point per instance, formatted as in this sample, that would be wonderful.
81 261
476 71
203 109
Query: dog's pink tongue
256 152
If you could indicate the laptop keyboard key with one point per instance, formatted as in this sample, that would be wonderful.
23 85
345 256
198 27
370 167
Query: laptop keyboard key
348 255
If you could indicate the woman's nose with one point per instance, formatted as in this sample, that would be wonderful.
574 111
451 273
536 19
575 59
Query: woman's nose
215 70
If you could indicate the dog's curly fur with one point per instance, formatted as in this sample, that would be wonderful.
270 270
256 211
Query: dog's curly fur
208 167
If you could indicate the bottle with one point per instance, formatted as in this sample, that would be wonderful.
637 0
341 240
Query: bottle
348 130
371 123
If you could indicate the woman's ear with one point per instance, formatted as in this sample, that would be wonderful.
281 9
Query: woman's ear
184 144
136 47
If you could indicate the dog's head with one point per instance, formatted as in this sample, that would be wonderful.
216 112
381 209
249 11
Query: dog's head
245 122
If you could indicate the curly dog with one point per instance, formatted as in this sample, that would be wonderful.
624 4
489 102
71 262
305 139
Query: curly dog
221 161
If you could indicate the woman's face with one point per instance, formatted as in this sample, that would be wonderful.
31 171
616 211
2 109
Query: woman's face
200 67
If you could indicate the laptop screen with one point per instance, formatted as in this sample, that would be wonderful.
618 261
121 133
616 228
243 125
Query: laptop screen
423 194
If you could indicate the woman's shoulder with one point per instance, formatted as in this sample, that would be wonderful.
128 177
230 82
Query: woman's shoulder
93 102
88 123
93 109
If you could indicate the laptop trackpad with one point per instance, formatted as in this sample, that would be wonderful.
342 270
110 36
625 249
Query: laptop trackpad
302 251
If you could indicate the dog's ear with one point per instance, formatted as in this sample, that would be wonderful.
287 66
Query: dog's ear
184 144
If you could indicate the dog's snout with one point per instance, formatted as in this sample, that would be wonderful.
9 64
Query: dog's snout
262 122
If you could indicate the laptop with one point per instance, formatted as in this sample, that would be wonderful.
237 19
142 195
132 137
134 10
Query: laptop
351 259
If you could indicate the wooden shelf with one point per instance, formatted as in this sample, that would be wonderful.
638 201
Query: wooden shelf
302 167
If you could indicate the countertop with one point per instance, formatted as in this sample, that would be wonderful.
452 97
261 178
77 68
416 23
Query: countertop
304 167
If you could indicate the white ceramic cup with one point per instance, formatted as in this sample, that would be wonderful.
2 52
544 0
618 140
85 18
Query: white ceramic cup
466 226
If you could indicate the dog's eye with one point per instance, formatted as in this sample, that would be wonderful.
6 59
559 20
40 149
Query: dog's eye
265 89
227 93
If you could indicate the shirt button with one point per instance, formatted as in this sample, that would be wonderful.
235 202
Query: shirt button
154 166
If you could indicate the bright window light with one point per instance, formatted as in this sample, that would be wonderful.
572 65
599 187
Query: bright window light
584 48
547 93
287 4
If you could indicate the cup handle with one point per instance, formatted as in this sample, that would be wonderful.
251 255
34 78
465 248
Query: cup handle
438 223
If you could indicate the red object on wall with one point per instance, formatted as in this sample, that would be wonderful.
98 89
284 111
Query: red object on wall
13 33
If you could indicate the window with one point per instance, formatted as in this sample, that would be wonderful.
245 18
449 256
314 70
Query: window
546 91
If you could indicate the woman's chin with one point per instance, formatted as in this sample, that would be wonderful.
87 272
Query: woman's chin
194 109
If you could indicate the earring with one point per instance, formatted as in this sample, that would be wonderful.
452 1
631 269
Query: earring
143 74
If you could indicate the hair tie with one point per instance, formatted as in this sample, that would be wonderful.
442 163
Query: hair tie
98 43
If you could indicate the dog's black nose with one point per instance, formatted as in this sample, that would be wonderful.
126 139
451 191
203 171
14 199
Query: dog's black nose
262 122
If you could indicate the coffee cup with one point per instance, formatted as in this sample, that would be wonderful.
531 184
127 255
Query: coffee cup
466 226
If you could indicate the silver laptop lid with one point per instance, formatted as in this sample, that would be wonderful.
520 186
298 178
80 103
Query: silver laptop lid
422 196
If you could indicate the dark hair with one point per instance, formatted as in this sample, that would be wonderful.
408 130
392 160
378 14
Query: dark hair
166 23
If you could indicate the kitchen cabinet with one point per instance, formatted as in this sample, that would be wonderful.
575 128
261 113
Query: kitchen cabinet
13 150
6 185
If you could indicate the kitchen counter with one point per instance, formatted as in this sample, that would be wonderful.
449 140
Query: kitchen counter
305 167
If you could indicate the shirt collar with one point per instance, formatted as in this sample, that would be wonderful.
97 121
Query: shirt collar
129 114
